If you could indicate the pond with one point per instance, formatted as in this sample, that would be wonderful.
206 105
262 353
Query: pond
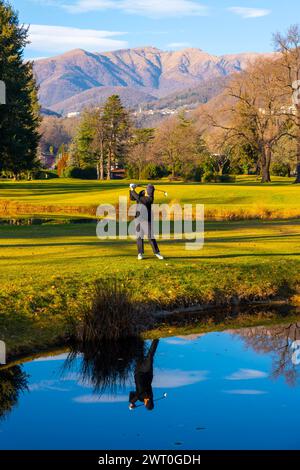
54 220
236 389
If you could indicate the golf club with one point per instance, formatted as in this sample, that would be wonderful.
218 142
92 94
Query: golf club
133 407
160 190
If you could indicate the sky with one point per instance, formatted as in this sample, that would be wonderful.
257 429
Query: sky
217 27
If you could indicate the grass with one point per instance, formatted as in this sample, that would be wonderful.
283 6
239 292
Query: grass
245 199
46 273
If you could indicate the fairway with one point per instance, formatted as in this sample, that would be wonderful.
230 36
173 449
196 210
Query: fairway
246 198
232 251
47 271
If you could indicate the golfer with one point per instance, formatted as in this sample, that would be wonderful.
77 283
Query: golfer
143 377
146 198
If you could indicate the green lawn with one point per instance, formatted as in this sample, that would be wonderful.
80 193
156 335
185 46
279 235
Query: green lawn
246 198
46 271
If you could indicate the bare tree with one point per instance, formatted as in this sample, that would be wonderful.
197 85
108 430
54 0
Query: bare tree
254 113
176 143
288 46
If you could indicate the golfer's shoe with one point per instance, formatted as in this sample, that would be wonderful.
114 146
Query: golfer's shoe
140 256
159 256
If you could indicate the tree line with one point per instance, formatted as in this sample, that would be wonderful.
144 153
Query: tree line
253 127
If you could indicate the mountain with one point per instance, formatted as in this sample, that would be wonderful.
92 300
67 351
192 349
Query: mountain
78 78
191 97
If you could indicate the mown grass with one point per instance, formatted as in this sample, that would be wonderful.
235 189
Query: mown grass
47 271
245 199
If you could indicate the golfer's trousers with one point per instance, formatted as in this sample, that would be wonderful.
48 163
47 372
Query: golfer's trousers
152 241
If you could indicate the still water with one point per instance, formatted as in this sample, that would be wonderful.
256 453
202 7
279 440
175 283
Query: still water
232 390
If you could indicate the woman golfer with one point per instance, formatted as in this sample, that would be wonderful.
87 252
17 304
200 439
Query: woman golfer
146 199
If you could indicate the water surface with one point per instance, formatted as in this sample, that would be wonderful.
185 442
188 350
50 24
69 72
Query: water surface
231 390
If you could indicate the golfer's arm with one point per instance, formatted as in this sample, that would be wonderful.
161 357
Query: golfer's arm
134 195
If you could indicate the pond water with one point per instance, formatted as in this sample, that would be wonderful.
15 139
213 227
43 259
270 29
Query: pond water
45 220
231 390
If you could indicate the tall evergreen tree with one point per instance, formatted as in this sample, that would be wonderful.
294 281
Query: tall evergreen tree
117 130
19 117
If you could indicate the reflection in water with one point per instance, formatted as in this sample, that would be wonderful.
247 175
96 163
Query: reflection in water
13 381
18 221
143 377
107 365
279 341
232 402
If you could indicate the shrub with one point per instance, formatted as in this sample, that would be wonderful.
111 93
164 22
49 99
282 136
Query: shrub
153 171
280 169
194 174
87 173
110 314
211 177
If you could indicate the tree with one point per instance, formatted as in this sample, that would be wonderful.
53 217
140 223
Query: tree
13 381
289 48
99 142
177 143
19 117
257 117
117 131
140 149
84 138
54 133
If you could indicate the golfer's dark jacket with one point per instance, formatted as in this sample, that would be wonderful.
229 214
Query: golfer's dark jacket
141 198
143 376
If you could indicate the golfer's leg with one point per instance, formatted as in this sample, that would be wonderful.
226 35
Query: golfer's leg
140 245
152 240
154 245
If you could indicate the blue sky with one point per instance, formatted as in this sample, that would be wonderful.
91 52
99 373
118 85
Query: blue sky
218 26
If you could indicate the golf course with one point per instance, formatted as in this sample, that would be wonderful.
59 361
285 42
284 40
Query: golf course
251 252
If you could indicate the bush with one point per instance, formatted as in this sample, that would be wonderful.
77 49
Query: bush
132 172
153 172
44 174
211 177
110 313
87 173
280 169
194 174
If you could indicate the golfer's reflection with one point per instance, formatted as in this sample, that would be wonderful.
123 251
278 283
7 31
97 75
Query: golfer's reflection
143 377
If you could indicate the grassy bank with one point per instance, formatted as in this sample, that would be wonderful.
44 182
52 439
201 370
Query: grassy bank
46 273
245 199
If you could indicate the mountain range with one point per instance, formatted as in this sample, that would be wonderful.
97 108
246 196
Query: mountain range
77 79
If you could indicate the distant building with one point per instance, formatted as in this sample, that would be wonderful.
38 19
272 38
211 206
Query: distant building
117 174
73 114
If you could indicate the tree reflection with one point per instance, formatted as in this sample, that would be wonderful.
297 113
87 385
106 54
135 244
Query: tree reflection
107 365
278 341
13 381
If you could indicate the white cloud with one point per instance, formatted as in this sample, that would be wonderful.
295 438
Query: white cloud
178 378
45 385
59 357
178 45
245 392
88 399
59 39
151 8
250 12
247 374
